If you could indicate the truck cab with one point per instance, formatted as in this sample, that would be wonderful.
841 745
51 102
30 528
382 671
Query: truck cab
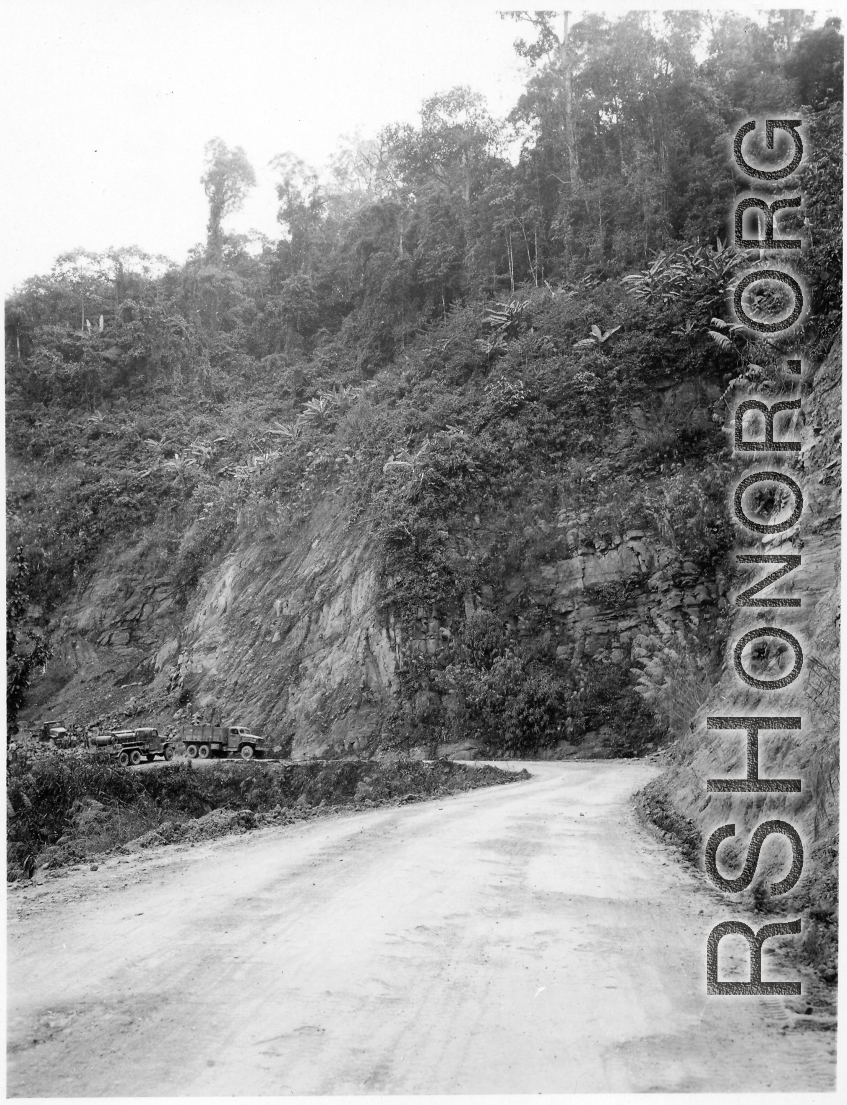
245 743
150 737
53 731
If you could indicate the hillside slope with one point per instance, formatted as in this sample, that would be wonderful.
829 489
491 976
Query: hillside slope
383 594
443 465
812 754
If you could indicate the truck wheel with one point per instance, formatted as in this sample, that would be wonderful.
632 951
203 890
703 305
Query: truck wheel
135 757
169 752
203 751
191 751
247 751
123 759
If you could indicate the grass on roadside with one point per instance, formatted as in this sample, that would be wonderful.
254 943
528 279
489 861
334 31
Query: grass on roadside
65 809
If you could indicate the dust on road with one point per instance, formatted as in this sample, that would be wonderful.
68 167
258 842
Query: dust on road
522 939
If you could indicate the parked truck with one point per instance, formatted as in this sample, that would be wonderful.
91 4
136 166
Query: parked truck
205 741
131 746
52 732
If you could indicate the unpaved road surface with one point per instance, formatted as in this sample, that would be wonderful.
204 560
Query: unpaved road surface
524 938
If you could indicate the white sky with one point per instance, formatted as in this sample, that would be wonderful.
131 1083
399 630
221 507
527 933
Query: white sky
109 103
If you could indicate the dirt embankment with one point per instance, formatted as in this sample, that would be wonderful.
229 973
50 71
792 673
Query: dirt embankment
679 802
67 808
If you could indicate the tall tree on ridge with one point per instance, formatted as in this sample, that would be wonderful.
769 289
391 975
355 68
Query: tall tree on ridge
228 178
547 44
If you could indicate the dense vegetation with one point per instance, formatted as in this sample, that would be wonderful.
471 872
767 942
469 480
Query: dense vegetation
441 330
65 808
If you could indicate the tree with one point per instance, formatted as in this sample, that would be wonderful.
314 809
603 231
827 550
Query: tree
745 63
551 43
302 202
227 180
784 24
451 152
817 64
457 138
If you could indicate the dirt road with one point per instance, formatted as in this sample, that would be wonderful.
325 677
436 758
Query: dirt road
529 938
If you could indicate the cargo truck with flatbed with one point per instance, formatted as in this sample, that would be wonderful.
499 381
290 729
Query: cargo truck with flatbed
206 741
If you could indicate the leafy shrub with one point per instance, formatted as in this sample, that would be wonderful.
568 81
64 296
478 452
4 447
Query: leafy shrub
695 277
609 699
42 792
678 672
689 511
484 639
48 792
513 706
821 178
214 525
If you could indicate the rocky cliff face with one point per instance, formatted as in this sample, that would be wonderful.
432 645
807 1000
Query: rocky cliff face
810 753
285 633
283 638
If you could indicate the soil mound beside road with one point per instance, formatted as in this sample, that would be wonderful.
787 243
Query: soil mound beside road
65 809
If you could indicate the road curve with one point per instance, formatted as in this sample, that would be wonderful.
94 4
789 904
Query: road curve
529 938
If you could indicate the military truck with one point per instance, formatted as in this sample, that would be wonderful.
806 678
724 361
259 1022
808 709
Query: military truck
205 741
131 746
52 731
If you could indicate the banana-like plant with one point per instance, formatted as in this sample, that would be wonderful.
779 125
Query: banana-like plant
686 330
598 337
158 447
723 333
291 430
657 284
681 271
255 464
407 463
317 410
491 348
505 320
180 465
344 393
201 451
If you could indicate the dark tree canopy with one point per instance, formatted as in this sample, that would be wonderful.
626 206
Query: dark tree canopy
817 64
